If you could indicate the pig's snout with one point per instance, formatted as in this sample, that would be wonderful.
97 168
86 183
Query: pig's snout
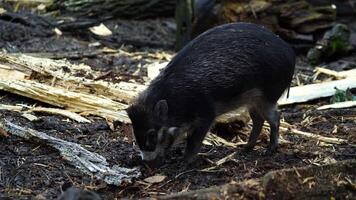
157 162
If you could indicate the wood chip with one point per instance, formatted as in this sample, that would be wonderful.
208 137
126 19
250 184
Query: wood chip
101 30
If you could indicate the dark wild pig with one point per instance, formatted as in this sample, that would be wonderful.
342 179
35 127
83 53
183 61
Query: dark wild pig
233 65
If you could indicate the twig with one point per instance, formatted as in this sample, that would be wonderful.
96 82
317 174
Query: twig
177 176
320 70
332 140
220 162
86 161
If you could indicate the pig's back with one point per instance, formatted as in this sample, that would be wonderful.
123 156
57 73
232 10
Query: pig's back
229 60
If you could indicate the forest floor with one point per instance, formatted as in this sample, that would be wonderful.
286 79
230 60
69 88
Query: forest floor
29 170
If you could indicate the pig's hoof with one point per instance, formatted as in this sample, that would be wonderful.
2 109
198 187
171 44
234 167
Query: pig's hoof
247 148
270 151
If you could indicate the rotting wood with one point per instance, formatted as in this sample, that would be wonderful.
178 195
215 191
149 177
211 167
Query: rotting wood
84 104
61 71
86 161
345 104
327 181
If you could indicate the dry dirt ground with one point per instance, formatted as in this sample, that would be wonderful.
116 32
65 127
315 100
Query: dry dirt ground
29 169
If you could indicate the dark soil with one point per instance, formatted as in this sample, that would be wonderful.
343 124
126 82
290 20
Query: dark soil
29 169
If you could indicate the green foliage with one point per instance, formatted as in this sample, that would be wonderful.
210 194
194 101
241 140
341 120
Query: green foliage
342 95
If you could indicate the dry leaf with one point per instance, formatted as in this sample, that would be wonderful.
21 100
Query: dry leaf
3 133
30 117
155 179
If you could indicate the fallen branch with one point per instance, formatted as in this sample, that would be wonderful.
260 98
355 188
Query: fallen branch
86 161
345 104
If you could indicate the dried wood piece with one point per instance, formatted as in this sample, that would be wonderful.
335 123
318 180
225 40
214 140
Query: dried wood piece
11 108
84 104
320 70
6 71
86 161
345 104
336 74
306 93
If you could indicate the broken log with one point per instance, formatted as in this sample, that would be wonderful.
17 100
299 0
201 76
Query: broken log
88 162
84 104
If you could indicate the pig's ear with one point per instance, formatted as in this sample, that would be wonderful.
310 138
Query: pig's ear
161 110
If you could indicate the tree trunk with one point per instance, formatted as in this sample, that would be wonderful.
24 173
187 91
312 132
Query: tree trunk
184 18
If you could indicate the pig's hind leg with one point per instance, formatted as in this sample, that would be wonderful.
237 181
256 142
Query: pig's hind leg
270 113
257 123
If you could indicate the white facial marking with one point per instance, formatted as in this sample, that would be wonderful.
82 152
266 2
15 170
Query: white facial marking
172 130
149 155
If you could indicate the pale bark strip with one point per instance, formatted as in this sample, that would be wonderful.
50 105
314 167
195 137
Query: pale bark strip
345 104
314 91
86 161
57 111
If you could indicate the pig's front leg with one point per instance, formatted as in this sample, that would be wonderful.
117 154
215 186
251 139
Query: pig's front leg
195 139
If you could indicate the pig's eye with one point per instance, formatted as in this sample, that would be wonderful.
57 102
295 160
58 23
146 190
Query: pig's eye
151 139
